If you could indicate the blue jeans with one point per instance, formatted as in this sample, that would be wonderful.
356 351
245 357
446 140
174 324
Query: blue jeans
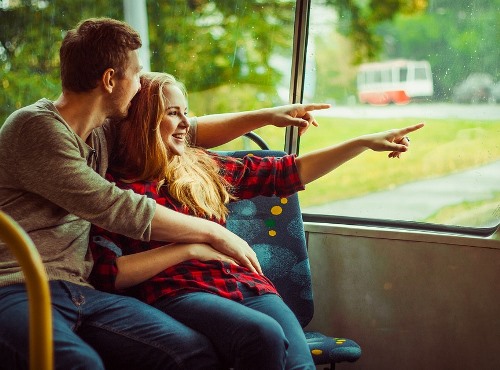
260 332
95 330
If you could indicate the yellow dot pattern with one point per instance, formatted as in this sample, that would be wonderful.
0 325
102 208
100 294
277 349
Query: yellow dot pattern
276 211
318 352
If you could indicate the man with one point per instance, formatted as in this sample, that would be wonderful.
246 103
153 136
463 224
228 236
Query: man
53 156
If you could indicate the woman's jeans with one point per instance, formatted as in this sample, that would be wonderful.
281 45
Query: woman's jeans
259 333
95 330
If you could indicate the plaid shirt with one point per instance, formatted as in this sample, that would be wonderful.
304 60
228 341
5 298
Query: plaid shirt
249 177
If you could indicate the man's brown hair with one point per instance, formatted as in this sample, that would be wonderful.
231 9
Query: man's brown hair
95 45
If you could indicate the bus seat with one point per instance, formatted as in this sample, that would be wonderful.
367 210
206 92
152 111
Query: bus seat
274 229
37 285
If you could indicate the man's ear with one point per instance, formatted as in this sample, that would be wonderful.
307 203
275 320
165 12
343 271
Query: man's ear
108 81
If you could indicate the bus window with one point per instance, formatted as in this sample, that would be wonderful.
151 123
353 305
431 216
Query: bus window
451 175
386 75
420 73
403 73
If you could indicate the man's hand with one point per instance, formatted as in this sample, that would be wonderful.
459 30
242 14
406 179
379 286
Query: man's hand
236 248
205 252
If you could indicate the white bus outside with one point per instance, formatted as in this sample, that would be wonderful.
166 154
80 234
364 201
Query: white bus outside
394 81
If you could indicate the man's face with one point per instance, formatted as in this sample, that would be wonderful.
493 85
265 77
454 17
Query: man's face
126 87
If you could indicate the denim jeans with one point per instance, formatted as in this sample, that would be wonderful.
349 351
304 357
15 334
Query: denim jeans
261 332
95 330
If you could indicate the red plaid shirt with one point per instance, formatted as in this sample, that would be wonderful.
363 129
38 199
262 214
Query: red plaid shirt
249 177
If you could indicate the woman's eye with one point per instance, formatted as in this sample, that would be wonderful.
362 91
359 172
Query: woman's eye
172 113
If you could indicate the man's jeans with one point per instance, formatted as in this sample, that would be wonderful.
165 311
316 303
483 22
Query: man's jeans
95 330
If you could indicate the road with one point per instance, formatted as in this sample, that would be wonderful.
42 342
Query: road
438 110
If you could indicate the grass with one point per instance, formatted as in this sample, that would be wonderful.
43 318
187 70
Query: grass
442 147
472 214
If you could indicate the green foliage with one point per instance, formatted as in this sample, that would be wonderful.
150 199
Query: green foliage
209 45
30 35
359 18
336 77
213 43
456 37
221 46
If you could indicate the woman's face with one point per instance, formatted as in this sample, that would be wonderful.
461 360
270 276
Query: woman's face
175 125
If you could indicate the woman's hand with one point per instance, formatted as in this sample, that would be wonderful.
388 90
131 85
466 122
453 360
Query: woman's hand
295 115
396 140
205 252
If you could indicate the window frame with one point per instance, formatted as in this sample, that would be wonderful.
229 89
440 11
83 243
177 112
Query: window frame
292 144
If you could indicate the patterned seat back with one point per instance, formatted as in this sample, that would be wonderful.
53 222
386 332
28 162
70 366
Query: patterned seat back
273 227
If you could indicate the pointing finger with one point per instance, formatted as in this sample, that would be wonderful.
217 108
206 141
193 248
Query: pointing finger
315 106
407 130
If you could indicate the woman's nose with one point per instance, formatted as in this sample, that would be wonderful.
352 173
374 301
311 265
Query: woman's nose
185 121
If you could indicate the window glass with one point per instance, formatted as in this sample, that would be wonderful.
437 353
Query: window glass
447 56
420 73
231 55
403 74
386 75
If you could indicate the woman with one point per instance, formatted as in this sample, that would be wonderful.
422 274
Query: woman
239 310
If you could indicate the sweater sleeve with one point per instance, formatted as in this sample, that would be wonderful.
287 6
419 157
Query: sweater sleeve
52 164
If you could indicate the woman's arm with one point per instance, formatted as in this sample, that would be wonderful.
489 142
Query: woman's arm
217 129
135 268
315 164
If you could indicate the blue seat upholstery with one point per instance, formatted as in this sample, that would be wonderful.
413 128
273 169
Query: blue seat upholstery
274 229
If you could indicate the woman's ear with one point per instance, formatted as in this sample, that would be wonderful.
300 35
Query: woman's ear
108 79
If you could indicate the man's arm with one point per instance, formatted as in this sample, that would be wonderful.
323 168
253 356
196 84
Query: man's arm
217 129
172 226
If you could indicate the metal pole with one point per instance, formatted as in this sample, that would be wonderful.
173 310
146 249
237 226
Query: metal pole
136 15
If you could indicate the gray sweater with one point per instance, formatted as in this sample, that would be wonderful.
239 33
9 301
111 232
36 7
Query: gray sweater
49 185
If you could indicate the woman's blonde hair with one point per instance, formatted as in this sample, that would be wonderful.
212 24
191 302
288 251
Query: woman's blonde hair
193 178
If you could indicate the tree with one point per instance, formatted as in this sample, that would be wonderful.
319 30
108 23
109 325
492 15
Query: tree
206 44
358 20
30 37
457 37
226 42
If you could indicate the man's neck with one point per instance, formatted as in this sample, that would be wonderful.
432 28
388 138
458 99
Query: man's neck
81 112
